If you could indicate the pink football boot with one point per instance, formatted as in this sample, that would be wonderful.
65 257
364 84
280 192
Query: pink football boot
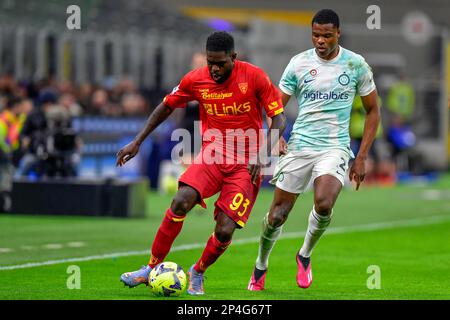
304 273
257 285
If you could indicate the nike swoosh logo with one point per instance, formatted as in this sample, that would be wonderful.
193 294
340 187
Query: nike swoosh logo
308 81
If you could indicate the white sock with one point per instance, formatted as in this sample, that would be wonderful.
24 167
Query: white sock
269 236
316 227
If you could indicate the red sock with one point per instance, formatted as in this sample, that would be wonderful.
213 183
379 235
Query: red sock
167 232
214 249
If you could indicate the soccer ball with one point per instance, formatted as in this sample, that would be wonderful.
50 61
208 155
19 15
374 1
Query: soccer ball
167 279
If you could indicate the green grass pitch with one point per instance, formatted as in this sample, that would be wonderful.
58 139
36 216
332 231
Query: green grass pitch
403 230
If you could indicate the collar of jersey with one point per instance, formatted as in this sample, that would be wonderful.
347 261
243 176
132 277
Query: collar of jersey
328 61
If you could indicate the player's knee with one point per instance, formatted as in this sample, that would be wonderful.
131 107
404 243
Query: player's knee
224 233
323 205
278 215
225 227
183 202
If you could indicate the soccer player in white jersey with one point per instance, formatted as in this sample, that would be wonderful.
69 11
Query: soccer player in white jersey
324 80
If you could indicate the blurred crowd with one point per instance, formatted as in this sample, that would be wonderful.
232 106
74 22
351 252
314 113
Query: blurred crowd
113 98
393 149
36 135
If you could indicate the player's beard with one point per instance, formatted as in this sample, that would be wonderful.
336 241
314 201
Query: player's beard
326 51
222 78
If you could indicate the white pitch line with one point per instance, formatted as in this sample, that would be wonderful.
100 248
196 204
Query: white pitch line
28 248
286 235
53 246
76 244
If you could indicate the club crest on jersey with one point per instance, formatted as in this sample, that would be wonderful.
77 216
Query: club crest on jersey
243 87
313 72
344 79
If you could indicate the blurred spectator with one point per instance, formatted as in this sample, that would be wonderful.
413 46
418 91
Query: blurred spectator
69 103
27 108
401 99
192 113
51 146
198 60
33 135
134 104
8 85
403 140
99 103
84 94
113 99
11 121
380 168
65 87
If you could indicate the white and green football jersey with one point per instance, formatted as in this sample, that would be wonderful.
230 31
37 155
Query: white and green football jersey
325 90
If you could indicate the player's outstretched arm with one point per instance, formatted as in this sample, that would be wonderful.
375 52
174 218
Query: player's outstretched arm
370 103
129 151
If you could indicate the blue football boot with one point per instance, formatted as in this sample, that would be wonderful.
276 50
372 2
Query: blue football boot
195 282
135 278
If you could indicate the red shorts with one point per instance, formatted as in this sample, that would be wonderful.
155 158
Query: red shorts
237 192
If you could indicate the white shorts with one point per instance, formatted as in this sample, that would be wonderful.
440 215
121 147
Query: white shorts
295 170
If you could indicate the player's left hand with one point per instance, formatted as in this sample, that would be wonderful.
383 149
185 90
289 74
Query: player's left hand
255 171
358 171
282 147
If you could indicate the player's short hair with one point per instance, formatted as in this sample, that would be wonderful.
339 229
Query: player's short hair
220 41
326 16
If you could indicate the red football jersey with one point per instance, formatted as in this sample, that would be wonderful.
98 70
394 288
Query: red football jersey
235 105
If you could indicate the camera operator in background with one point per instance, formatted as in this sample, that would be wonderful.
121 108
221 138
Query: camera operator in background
52 146
11 122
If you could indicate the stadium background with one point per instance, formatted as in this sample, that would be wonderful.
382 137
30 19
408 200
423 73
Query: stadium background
109 75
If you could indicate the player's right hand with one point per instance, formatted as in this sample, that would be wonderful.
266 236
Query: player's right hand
357 171
127 153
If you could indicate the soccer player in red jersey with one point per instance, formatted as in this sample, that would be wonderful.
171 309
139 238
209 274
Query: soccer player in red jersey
231 94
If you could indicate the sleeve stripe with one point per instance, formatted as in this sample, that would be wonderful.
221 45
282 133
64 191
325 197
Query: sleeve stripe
277 112
285 90
367 92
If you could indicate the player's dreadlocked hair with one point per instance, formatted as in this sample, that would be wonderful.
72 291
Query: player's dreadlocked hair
326 16
220 41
